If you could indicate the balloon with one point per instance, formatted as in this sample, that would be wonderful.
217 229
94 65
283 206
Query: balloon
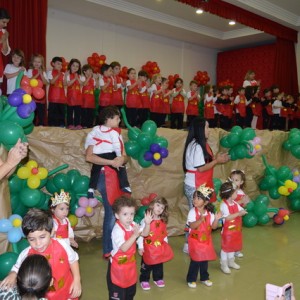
295 204
25 81
250 220
83 201
51 187
295 194
73 174
38 93
80 212
32 106
287 145
81 184
248 134
260 209
157 162
142 162
296 151
93 202
161 141
29 197
33 82
132 148
24 111
40 83
284 173
133 133
28 129
23 173
278 220
294 138
273 192
141 211
26 98
144 140
42 173
164 152
20 209
7 260
149 127
237 130
15 184
257 140
241 151
10 132
250 206
33 182
27 89
156 156
264 219
217 183
23 122
233 139
15 99
262 199
224 142
148 155
73 220
232 154
154 148
270 180
62 181
14 235
5 225
19 91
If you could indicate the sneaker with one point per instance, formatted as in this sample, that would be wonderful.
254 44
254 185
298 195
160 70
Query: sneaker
160 283
72 127
192 285
207 282
78 127
186 248
239 254
145 285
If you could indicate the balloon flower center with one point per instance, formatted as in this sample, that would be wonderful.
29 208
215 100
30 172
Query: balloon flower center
34 171
89 209
290 190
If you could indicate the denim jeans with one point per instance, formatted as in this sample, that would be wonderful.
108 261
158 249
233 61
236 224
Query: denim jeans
109 218
189 192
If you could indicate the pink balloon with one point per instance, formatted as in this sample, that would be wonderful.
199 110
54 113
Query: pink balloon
93 202
83 201
80 212
257 140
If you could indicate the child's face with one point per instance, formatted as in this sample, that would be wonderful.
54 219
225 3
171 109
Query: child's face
143 78
116 70
57 65
276 91
39 240
16 60
88 73
178 84
37 63
268 94
108 72
158 209
234 195
194 87
225 92
251 76
132 75
125 216
165 84
242 92
113 122
74 67
158 80
230 91
3 23
198 201
237 180
61 211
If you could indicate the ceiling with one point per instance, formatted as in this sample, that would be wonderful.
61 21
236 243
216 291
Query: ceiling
175 20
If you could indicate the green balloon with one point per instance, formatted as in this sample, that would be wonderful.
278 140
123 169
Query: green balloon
74 204
15 184
273 192
132 148
295 150
10 133
44 203
263 186
248 134
241 151
287 145
81 184
237 130
295 194
28 129
141 211
14 201
217 184
51 187
20 121
262 199
284 173
294 138
144 140
149 127
7 260
224 142
270 180
259 209
20 210
264 219
142 162
271 171
295 204
233 139
250 206
137 219
62 181
161 141
20 246
232 154
29 197
133 133
250 220
73 174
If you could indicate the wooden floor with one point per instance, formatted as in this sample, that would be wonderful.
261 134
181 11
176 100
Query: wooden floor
271 255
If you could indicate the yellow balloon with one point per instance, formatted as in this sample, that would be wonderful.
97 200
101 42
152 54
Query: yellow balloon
43 173
33 82
27 98
32 164
33 182
89 209
282 190
257 147
296 173
290 184
156 156
17 222
286 218
23 172
73 220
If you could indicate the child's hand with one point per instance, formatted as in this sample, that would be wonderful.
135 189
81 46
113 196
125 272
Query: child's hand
141 252
136 230
148 217
246 199
73 243
9 281
242 213
218 216
75 289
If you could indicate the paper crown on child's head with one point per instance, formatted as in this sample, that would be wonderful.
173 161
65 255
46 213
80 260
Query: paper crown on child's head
205 191
63 197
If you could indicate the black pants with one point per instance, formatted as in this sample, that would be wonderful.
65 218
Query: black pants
132 116
87 117
278 122
56 114
176 120
73 115
225 122
117 293
249 116
95 172
143 115
240 121
190 120
194 268
157 271
39 114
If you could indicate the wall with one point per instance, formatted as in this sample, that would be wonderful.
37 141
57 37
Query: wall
70 35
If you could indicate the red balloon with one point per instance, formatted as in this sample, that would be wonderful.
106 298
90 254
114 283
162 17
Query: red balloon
278 220
152 196
38 93
27 89
95 55
145 201
102 57
25 81
40 83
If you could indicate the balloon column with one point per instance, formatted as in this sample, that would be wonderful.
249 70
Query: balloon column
123 73
86 207
33 87
144 145
217 184
151 67
96 61
12 227
292 144
226 82
202 78
139 216
243 143
172 79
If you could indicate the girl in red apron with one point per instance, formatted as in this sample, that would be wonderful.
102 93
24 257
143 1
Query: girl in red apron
201 221
60 209
122 273
240 107
106 86
177 106
166 108
231 233
192 110
156 99
225 108
209 106
143 113
119 85
154 248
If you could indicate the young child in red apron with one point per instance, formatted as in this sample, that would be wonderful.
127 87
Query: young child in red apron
166 108
106 84
231 232
240 107
178 105
60 209
119 85
143 113
209 106
156 99
201 221
154 248
192 110
121 272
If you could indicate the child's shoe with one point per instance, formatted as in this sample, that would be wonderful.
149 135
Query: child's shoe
90 193
186 248
232 264
78 127
207 282
224 267
160 283
238 254
192 285
72 127
145 285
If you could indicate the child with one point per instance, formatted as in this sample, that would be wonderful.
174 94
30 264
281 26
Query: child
201 221
59 205
177 106
37 71
240 107
209 106
192 110
166 93
276 109
156 104
73 81
107 143
144 95
225 108
106 87
37 226
154 248
231 232
133 100
288 112
88 98
117 93
121 272
267 113
56 95
13 69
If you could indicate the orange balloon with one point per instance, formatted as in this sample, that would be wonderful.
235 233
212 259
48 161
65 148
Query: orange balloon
38 93
40 83
25 81
27 89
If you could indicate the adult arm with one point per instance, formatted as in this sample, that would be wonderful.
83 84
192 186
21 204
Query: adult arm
220 158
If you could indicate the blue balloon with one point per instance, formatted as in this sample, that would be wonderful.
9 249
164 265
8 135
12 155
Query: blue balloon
24 110
19 91
155 148
32 105
14 217
157 162
5 225
14 235
15 99
148 155
164 152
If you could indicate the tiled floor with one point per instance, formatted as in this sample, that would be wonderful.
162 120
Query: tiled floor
271 255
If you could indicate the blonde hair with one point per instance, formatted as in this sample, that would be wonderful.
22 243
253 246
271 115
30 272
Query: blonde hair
249 72
155 76
33 56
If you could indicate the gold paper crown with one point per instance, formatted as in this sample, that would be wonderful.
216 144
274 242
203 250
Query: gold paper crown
205 190
60 198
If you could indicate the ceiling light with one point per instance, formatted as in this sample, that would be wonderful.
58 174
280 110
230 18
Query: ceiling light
199 11
231 23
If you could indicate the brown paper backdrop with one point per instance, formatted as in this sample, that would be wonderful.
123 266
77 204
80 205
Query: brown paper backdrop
52 147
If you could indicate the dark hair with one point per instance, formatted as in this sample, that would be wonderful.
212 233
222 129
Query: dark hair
197 133
267 91
164 79
193 82
243 177
161 200
129 70
85 68
72 61
55 59
115 64
241 89
176 80
143 73
4 14
226 190
20 53
223 88
250 91
109 112
37 219
123 201
274 87
104 68
34 277
208 206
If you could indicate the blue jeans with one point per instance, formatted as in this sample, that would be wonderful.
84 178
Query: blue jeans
109 218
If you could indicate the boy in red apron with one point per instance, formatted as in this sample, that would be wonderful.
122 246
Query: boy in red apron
122 273
192 110
240 107
231 233
143 113
177 106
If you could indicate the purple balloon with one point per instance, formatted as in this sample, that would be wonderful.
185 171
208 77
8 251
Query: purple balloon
19 91
93 202
157 162
80 212
164 152
148 155
154 148
24 111
83 201
32 105
15 99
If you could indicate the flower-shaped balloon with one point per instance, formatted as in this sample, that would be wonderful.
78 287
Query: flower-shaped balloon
12 226
156 154
281 216
86 207
32 173
202 78
296 175
288 187
292 144
96 61
256 142
151 67
33 87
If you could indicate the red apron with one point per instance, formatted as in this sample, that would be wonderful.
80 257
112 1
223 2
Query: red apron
123 266
201 247
156 103
232 231
56 92
228 110
145 99
256 109
88 98
117 95
42 100
166 109
209 110
156 249
192 107
61 271
133 99
105 97
241 106
74 96
1 60
178 104
62 231
269 108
